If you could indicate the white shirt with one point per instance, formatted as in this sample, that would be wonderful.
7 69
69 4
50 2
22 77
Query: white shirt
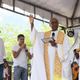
21 60
2 51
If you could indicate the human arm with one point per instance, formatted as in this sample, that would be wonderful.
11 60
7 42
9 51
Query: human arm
17 52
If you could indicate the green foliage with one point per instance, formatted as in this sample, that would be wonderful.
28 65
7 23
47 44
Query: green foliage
9 35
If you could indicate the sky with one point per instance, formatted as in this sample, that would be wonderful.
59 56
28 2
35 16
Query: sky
11 18
7 17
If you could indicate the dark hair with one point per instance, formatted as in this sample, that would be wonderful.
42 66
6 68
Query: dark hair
53 18
5 62
76 54
20 35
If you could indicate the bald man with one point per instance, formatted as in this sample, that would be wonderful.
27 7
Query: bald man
53 54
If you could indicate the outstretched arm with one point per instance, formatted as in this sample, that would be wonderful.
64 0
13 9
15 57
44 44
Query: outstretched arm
31 19
33 30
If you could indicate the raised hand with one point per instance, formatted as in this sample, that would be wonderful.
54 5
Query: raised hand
31 19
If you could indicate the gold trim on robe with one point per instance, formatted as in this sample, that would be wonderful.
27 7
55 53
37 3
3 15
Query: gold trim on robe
46 59
59 40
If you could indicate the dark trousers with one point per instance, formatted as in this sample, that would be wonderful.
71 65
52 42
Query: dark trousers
1 71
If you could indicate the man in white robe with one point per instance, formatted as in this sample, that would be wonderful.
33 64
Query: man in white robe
76 45
39 69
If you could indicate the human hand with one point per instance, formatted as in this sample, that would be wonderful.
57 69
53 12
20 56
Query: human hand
53 43
30 55
31 19
23 46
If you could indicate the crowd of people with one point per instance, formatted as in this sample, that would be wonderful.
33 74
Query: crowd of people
51 54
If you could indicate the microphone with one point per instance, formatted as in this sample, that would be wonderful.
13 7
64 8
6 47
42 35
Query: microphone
53 34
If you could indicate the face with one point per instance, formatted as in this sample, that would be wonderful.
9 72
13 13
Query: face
5 64
21 40
54 24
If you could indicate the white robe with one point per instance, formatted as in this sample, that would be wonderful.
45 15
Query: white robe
75 46
63 56
38 66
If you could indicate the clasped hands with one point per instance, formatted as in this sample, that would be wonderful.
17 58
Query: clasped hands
53 43
23 46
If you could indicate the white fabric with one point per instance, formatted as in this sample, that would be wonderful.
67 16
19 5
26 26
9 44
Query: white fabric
2 51
38 70
21 60
5 72
75 45
64 7
66 66
63 54
51 54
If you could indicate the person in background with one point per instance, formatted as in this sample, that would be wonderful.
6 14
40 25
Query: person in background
75 53
20 54
5 71
2 56
52 57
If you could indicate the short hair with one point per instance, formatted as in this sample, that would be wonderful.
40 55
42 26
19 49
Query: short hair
53 18
20 35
